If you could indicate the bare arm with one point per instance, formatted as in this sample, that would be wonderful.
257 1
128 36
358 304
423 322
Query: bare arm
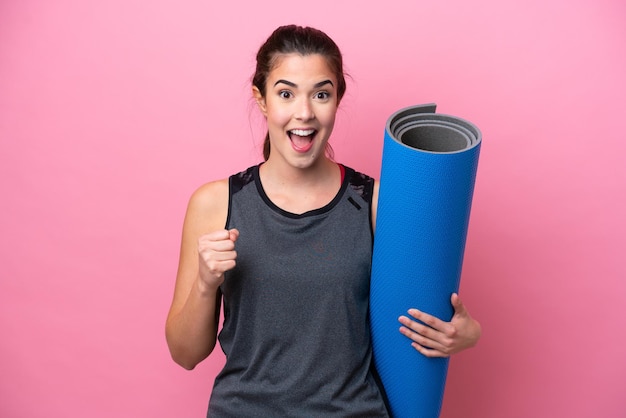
207 250
375 203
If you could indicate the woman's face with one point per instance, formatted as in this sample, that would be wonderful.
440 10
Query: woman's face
300 106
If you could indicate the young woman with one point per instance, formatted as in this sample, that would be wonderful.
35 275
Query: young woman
287 246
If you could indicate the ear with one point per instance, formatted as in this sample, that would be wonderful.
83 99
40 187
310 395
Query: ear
260 100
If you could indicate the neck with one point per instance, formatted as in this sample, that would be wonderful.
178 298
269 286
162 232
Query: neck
279 171
298 190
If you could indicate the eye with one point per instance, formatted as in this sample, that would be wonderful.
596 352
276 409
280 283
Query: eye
322 95
285 94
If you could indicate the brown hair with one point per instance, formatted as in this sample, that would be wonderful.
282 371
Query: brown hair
301 40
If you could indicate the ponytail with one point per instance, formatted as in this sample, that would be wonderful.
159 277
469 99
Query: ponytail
266 147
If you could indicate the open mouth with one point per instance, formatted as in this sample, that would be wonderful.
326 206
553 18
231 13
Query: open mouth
302 139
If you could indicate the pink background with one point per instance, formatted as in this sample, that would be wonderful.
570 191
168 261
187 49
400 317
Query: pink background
113 112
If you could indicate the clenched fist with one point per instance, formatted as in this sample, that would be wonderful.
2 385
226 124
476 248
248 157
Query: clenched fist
217 255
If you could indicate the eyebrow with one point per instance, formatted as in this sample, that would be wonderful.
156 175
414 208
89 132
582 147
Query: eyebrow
294 85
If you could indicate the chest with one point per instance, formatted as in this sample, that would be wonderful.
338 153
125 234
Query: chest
299 256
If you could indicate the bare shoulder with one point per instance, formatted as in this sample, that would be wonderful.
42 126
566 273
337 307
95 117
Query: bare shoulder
376 189
206 212
375 202
208 206
210 193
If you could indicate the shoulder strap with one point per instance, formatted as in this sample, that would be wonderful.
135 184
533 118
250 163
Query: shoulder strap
362 184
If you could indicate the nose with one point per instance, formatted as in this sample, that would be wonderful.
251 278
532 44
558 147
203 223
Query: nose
305 111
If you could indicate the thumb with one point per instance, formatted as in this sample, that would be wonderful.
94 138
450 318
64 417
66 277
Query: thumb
233 234
459 308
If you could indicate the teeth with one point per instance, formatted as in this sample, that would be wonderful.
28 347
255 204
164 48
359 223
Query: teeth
302 132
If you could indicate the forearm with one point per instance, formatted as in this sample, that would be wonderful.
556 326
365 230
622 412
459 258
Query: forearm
191 331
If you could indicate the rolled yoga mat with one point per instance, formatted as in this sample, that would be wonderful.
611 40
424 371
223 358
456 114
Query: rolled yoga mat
426 184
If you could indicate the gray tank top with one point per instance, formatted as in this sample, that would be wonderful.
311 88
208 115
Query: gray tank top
296 331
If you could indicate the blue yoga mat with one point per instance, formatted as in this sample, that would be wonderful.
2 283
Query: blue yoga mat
426 184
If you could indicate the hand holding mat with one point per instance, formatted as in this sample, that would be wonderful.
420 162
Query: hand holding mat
426 185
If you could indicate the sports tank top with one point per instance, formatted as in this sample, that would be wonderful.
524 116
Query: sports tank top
296 332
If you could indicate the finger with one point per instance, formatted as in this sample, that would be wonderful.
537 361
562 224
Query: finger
429 352
424 334
220 256
430 320
222 236
223 266
425 338
233 234
218 267
217 246
432 347
219 235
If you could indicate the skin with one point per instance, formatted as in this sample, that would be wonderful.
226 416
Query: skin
300 94
298 177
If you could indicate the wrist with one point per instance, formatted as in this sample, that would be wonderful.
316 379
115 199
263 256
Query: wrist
204 288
